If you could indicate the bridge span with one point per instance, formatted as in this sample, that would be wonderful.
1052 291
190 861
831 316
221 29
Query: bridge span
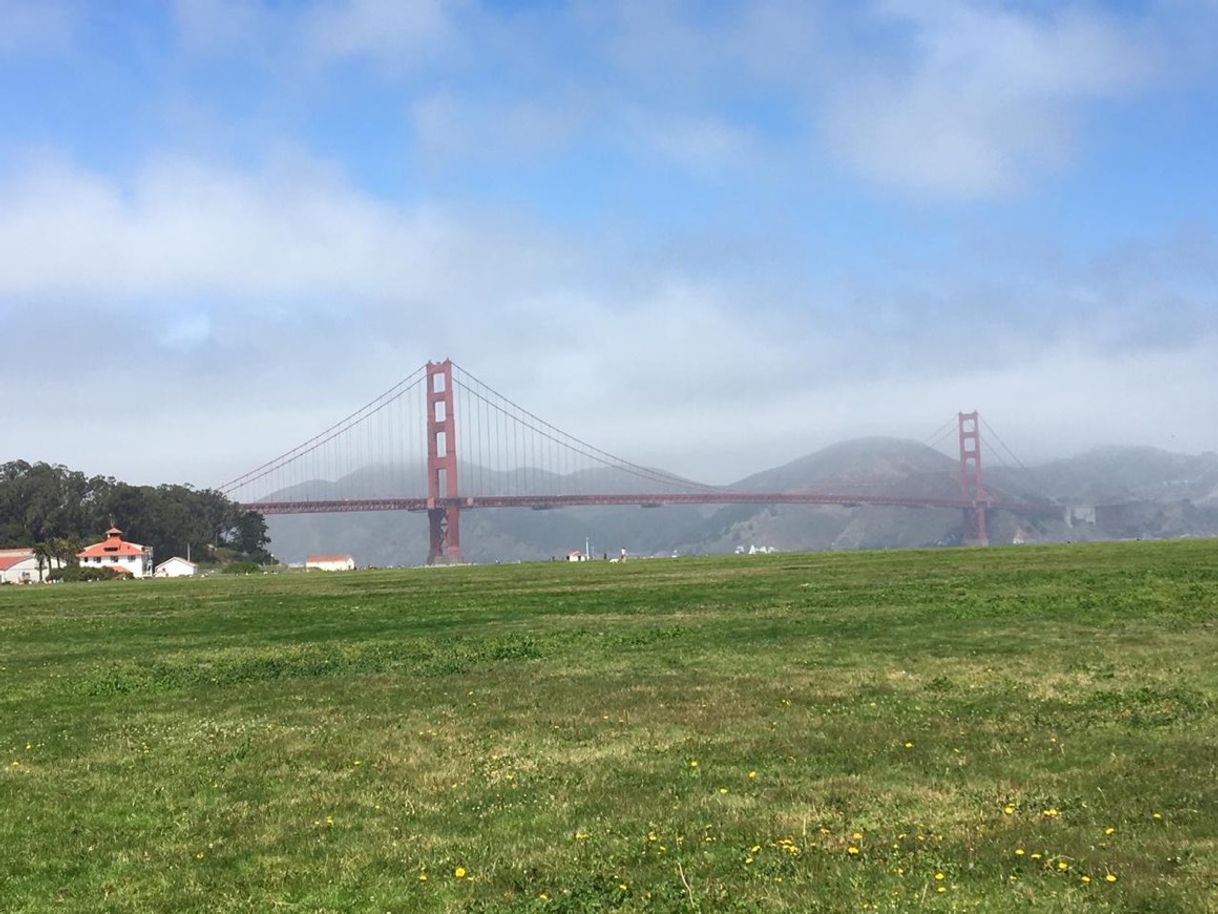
516 451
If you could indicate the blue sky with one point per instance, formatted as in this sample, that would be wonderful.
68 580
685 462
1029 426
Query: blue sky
711 236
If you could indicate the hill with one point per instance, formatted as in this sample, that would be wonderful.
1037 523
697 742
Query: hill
1119 493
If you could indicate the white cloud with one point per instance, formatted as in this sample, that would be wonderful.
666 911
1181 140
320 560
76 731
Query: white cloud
976 98
399 35
182 226
291 283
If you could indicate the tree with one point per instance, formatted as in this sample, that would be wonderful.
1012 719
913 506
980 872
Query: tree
43 555
57 508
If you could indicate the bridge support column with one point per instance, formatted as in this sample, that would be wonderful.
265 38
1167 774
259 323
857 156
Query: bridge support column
445 536
443 515
976 530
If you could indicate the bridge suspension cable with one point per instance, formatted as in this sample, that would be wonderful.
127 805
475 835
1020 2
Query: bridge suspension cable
1037 485
340 428
941 434
563 446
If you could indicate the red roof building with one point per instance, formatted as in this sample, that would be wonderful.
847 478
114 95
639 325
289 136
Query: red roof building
116 553
11 557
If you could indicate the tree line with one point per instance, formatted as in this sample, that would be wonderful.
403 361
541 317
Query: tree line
58 511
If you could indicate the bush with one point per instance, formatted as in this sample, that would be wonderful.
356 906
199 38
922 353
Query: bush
76 573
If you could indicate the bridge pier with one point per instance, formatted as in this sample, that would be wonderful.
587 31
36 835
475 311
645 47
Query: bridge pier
976 529
445 538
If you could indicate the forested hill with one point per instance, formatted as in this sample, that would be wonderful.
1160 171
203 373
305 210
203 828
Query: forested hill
43 503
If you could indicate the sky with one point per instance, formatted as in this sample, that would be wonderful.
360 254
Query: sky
708 236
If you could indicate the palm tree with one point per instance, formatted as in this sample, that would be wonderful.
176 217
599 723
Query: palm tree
43 554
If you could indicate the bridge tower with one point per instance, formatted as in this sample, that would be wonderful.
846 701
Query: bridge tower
444 521
975 529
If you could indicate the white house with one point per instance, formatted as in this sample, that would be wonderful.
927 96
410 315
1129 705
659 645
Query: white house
576 555
176 567
116 553
20 566
330 562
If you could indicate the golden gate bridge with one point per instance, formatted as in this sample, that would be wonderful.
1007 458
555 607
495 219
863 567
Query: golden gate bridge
408 441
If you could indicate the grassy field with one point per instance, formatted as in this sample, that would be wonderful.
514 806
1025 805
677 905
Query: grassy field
1000 730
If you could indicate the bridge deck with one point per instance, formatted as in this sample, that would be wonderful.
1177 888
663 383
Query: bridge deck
344 505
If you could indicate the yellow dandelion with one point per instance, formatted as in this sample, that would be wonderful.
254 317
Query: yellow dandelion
1085 880
693 763
722 790
908 745
1008 810
857 836
422 877
1111 877
852 851
1063 865
940 888
543 896
752 775
1156 815
622 887
938 877
748 860
1050 813
1019 852
1035 855
755 848
651 836
459 872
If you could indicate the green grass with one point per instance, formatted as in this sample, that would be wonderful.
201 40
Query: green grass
584 737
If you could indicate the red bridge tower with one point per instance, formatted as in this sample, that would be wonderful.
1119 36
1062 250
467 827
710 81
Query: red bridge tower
444 520
975 529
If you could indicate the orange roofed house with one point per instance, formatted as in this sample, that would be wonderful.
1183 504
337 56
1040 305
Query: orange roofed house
117 554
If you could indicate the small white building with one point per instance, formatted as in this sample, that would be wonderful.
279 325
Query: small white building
576 556
20 566
330 563
176 567
118 555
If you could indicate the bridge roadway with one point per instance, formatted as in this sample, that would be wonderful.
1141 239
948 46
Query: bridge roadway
543 502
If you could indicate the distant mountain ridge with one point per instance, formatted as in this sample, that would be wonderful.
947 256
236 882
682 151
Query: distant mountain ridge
1119 492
